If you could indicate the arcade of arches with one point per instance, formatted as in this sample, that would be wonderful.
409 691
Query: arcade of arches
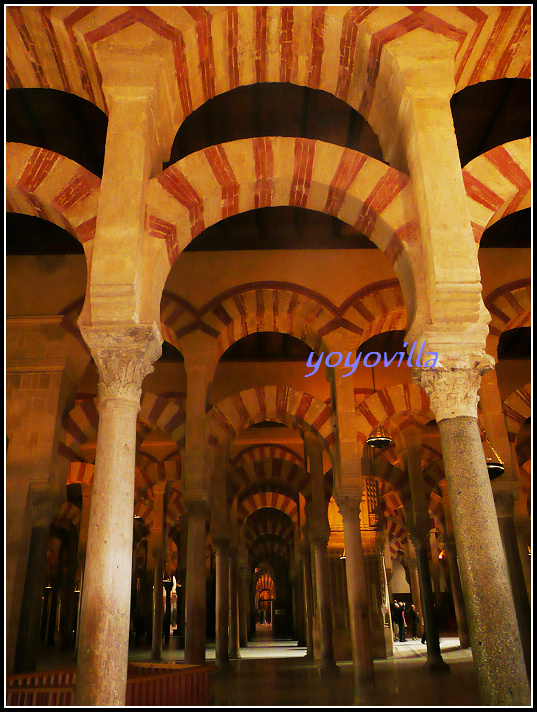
199 199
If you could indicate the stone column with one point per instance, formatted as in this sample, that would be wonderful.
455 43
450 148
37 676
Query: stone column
300 606
158 551
221 547
195 603
413 574
308 595
43 503
234 652
319 533
319 540
123 357
87 491
486 587
504 509
420 539
435 569
358 596
456 587
349 486
168 585
243 606
505 490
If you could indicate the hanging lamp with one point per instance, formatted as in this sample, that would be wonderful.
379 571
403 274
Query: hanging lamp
495 467
378 438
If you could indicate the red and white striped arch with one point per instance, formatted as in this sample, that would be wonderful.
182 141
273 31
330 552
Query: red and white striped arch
215 49
516 409
498 183
510 308
267 521
403 399
261 548
77 427
377 308
167 414
50 186
277 403
260 500
220 181
291 474
264 451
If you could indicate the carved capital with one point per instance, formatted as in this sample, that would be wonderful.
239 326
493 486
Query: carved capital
452 388
197 508
124 356
43 503
349 506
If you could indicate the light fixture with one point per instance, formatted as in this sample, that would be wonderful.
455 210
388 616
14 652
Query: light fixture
378 437
343 555
495 467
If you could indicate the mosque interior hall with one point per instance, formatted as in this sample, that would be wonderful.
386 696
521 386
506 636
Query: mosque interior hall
268 354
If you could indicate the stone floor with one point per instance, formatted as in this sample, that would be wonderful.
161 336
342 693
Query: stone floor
275 673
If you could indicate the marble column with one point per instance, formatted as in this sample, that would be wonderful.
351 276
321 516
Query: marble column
453 565
504 509
420 539
195 603
505 490
243 606
168 585
364 674
458 600
43 503
123 357
300 622
498 658
221 547
234 652
319 542
158 550
308 595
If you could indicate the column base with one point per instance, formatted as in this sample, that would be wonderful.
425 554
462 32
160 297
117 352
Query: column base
437 665
235 656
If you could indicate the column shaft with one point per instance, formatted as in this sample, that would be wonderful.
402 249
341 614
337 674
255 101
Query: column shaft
434 658
362 652
458 600
195 604
324 604
233 606
102 664
487 592
28 635
158 607
308 596
222 603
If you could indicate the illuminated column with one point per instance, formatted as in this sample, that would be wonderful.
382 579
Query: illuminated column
123 357
43 503
233 606
499 659
195 602
221 547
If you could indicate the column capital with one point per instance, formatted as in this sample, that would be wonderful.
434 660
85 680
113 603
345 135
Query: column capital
453 387
348 504
319 535
124 356
43 502
198 508
220 543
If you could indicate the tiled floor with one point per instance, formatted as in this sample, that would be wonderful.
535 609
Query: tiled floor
276 674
